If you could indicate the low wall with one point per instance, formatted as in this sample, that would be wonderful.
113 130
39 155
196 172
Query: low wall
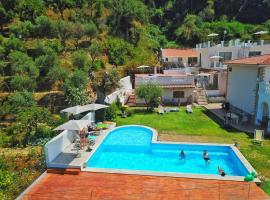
57 144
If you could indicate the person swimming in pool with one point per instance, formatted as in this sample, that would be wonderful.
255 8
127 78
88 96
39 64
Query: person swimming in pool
221 171
182 155
206 157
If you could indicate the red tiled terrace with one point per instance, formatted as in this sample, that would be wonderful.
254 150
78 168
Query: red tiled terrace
107 186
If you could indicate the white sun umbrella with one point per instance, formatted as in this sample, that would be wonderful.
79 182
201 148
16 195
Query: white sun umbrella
143 67
260 33
93 107
73 110
212 35
216 57
80 109
73 125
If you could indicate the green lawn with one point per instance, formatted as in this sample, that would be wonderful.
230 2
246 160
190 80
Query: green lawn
200 126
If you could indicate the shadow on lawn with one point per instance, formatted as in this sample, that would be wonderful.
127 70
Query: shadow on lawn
220 122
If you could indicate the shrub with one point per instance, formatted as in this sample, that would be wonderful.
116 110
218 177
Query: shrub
111 112
129 112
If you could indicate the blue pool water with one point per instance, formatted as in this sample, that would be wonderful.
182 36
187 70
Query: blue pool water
130 148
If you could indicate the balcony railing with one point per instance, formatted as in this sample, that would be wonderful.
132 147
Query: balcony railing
232 43
165 80
264 88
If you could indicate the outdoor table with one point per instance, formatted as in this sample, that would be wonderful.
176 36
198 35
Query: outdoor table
233 116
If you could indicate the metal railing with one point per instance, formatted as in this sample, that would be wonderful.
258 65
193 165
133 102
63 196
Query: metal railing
231 43
166 80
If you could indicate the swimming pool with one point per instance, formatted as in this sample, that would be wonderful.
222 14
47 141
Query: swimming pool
134 148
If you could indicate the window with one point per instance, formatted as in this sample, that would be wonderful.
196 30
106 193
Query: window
192 61
178 94
254 53
180 59
166 59
225 55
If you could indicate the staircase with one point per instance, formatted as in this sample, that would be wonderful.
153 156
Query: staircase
201 98
131 100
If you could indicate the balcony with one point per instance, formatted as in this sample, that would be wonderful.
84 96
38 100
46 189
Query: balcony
232 43
165 80
264 89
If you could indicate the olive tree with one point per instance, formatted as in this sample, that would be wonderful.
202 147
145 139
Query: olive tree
150 93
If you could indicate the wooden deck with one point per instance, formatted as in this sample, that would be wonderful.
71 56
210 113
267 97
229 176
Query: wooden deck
95 186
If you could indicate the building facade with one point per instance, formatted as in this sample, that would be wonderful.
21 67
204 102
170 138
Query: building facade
248 88
177 87
173 58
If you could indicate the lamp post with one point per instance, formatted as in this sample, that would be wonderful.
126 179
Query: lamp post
224 34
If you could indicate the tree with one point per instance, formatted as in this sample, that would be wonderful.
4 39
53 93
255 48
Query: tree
80 60
90 30
108 82
63 29
45 27
23 29
60 5
30 9
150 93
21 100
95 50
124 13
118 51
190 31
28 122
76 96
23 83
12 43
75 89
57 73
47 60
23 65
4 16
77 32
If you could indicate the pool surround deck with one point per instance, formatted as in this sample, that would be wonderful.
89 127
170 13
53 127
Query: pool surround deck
172 174
95 186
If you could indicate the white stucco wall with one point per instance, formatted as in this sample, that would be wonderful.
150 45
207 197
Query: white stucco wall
267 75
242 87
57 144
237 52
168 95
123 92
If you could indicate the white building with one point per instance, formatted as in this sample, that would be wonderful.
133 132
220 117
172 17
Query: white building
179 58
248 87
213 56
176 86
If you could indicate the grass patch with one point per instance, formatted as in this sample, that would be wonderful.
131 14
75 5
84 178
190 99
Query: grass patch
201 126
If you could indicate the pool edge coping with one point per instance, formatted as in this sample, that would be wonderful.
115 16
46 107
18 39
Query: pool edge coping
172 174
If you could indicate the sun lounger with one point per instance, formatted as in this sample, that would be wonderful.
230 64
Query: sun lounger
258 136
161 110
189 109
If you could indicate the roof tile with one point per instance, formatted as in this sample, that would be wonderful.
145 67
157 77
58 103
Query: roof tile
179 53
255 60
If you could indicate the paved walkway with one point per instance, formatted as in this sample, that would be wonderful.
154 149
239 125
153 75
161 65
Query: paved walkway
96 186
216 109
